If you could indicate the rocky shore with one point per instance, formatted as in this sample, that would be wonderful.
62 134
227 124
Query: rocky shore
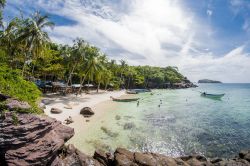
34 140
39 140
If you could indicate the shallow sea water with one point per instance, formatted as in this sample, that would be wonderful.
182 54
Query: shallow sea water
185 123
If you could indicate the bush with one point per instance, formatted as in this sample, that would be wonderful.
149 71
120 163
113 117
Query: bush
12 84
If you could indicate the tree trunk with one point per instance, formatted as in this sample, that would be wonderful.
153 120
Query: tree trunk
81 84
106 85
97 90
33 68
23 67
128 82
70 74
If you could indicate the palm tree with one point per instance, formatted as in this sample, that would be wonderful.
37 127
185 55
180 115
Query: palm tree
92 65
107 76
2 3
123 69
34 35
74 56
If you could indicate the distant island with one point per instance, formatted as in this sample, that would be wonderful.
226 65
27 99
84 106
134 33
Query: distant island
208 81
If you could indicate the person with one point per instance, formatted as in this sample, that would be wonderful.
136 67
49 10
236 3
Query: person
138 102
204 93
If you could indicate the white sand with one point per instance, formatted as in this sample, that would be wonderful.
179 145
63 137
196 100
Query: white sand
77 103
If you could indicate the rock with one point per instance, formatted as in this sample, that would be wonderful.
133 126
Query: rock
42 106
73 157
215 160
36 139
128 126
144 159
67 107
69 120
13 104
47 101
117 117
123 157
86 112
101 156
4 97
55 111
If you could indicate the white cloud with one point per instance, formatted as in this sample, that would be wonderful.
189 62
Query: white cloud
152 32
209 12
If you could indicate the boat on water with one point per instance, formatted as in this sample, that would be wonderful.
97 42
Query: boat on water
131 92
124 100
213 96
140 90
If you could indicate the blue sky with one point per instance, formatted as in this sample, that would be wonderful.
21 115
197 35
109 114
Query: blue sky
203 38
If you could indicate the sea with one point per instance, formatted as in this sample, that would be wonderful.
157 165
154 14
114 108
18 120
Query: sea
177 122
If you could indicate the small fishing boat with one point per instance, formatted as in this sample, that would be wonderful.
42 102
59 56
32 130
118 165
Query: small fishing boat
213 96
131 92
140 90
124 100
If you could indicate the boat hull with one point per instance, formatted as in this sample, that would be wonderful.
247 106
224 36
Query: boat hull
213 96
125 100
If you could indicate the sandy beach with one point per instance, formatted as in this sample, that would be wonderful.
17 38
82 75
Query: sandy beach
71 105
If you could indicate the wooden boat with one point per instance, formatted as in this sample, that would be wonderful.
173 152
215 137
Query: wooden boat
131 92
124 100
213 96
140 90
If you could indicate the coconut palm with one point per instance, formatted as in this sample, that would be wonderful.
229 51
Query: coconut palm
2 3
34 35
92 65
74 56
123 70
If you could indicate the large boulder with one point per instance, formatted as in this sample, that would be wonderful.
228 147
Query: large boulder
55 111
14 104
73 157
35 140
87 112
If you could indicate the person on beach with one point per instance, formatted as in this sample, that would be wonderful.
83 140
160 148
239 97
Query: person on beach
138 102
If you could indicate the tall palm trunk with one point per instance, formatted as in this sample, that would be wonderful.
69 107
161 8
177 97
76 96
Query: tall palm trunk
106 85
29 52
81 84
70 74
97 90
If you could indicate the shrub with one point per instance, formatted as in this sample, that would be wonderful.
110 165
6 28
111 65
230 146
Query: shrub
12 84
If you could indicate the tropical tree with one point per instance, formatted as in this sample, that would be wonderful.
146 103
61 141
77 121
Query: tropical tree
34 36
123 70
74 56
2 3
91 66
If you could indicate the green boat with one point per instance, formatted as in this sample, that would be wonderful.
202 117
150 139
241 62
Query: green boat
213 96
124 100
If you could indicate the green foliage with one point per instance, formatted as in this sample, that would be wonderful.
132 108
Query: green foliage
25 46
3 113
2 3
14 118
14 85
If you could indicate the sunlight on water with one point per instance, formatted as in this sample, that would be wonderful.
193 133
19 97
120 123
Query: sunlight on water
184 123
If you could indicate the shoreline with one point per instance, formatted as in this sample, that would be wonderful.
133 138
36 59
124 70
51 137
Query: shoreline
75 104
100 103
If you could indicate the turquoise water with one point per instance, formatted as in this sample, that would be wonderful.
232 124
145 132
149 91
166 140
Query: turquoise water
184 123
